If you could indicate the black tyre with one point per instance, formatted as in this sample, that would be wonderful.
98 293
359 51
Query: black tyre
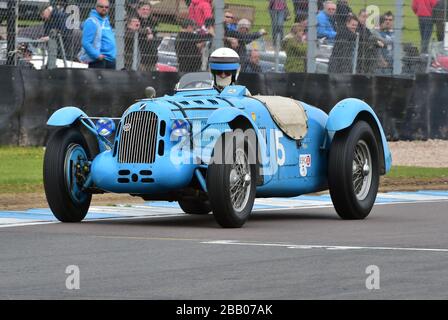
195 206
64 175
231 181
353 171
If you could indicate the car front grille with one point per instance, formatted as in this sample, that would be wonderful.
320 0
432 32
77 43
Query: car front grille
138 138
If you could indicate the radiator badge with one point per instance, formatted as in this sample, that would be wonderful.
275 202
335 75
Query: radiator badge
127 127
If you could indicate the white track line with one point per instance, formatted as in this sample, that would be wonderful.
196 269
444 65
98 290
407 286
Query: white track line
326 247
145 212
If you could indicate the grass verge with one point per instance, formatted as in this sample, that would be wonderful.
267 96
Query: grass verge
21 172
21 169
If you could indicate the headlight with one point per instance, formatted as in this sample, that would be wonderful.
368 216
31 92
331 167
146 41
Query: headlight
105 127
179 129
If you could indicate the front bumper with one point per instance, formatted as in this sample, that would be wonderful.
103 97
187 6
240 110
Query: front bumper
159 177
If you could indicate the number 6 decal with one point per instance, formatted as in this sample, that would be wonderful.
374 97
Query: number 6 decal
280 148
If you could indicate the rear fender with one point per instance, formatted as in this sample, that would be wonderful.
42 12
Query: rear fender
346 112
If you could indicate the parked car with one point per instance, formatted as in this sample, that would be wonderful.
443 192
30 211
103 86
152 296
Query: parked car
167 54
34 54
216 152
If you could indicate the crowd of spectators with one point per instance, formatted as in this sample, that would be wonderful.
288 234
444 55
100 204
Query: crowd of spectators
355 45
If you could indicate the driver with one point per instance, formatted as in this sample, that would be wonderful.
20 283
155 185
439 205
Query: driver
225 67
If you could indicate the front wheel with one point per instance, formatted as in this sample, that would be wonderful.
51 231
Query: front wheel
353 171
65 172
231 181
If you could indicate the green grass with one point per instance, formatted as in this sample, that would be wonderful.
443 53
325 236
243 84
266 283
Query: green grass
417 172
21 169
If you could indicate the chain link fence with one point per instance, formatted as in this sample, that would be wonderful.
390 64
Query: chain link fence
399 38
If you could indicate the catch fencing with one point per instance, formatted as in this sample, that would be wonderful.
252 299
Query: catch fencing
313 36
409 109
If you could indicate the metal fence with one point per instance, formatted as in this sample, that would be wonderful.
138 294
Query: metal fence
379 37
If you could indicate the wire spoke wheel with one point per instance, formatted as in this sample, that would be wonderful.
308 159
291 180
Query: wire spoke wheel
66 171
240 180
362 173
353 171
232 185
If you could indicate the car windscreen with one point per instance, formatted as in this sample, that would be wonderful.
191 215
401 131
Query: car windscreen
195 81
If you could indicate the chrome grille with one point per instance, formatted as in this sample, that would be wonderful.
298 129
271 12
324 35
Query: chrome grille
138 138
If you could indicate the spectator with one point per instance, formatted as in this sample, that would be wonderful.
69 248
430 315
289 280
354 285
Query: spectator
148 40
25 56
325 22
199 11
342 57
54 19
423 10
229 21
209 27
368 46
303 22
343 11
132 31
296 49
300 9
386 36
98 38
189 47
439 16
237 40
253 65
278 9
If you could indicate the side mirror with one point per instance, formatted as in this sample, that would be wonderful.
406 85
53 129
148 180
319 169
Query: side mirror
150 92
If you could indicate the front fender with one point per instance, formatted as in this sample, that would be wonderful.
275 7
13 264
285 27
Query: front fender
65 116
237 119
69 115
344 114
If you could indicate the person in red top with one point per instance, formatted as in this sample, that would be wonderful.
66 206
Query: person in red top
199 11
423 10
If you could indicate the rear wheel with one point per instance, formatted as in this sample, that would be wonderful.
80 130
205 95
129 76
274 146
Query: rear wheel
195 206
353 171
65 172
231 183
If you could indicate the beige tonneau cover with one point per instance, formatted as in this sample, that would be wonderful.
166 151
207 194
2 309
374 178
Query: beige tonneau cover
288 114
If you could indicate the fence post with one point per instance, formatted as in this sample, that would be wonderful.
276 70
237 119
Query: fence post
120 25
52 50
445 42
277 52
397 54
312 37
355 54
135 52
218 40
13 10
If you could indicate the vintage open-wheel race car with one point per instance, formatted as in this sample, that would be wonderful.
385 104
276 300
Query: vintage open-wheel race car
216 152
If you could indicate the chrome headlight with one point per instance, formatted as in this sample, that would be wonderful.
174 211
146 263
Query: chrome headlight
105 127
179 129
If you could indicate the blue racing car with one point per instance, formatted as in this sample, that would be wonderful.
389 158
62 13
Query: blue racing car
216 151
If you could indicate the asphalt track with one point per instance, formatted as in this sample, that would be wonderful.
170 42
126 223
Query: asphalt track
285 251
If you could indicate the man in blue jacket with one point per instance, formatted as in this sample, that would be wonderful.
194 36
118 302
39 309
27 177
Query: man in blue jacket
325 22
98 38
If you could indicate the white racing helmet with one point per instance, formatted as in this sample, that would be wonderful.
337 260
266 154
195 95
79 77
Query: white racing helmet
224 61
